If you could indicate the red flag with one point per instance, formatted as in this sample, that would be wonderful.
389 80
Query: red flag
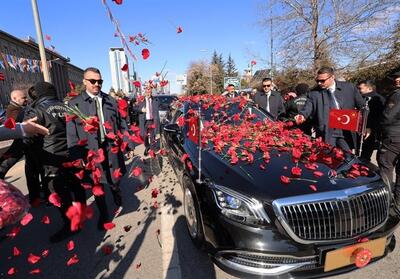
253 62
193 133
48 37
345 119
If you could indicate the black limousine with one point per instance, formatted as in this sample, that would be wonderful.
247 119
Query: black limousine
269 201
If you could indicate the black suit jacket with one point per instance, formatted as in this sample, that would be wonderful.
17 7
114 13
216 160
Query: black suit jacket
276 107
376 105
75 133
318 105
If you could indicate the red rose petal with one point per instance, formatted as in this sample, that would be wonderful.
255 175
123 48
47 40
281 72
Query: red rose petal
109 226
46 220
73 260
26 219
12 271
35 271
145 53
32 259
55 199
138 265
285 179
70 245
107 249
117 173
98 190
16 252
10 123
45 253
313 187
136 171
318 173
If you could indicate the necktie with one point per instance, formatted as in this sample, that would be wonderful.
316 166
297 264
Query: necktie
267 103
99 112
335 103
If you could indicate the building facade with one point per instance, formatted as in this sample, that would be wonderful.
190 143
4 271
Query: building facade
120 79
21 67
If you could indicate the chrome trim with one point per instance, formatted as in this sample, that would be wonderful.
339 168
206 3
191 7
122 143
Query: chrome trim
255 206
338 198
265 268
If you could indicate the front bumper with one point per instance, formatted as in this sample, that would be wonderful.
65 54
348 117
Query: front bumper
249 252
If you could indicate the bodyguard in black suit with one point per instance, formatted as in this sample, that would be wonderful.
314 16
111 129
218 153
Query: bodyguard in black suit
330 94
389 151
270 100
376 104
94 102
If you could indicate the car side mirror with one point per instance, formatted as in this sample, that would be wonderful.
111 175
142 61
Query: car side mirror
172 128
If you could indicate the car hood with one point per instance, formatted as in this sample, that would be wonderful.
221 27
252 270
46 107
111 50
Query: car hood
265 184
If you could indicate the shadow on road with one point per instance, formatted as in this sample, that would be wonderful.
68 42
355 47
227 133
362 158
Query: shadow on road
195 263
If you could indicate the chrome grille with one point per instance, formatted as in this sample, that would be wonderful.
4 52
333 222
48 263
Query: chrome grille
336 218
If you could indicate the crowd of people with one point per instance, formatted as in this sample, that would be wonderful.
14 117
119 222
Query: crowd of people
82 143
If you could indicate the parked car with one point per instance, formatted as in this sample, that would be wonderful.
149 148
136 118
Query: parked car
270 201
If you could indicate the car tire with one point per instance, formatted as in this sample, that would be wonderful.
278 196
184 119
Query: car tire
192 213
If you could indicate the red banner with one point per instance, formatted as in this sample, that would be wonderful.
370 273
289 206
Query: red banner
345 119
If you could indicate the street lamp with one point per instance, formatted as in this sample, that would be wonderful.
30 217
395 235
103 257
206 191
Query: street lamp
211 72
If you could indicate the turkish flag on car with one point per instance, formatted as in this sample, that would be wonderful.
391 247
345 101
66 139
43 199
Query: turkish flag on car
193 130
345 119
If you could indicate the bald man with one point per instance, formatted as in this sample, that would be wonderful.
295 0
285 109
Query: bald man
17 104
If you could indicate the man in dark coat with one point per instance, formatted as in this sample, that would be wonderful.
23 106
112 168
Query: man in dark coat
295 105
34 172
389 152
376 104
330 94
149 118
269 99
230 91
50 113
95 103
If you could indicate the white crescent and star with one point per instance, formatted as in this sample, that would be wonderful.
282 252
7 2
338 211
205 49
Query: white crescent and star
193 129
345 116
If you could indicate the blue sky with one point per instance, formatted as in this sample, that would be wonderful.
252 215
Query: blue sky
81 30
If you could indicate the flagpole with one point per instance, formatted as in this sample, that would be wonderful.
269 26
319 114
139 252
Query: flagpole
199 181
365 112
39 35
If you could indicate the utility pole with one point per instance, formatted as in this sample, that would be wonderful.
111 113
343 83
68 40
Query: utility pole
39 35
272 40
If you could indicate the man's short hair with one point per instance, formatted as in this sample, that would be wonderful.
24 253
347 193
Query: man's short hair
367 83
230 84
91 69
267 79
325 70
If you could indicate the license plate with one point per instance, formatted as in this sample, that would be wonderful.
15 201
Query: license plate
345 256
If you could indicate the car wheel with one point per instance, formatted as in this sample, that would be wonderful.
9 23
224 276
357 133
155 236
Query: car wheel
192 213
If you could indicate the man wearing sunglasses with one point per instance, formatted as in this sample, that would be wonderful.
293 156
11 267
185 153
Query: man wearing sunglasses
94 102
269 99
330 94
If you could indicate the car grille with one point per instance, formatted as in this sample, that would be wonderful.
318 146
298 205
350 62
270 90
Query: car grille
259 260
337 219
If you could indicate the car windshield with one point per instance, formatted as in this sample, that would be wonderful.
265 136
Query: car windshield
165 101
232 113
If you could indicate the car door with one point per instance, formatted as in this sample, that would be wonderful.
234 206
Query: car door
174 142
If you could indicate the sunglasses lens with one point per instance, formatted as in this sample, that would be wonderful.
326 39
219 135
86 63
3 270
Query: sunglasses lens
93 81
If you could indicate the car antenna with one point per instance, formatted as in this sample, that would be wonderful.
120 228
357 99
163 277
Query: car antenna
199 181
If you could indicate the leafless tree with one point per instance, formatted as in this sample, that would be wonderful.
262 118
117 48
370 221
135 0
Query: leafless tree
308 33
198 78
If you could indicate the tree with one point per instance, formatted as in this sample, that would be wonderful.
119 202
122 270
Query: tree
230 68
198 78
217 65
309 33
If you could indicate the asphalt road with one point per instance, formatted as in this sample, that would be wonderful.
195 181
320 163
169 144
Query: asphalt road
156 246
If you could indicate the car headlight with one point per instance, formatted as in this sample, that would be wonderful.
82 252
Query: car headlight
239 207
